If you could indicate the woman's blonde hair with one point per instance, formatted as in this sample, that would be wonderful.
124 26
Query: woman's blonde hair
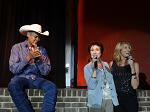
117 51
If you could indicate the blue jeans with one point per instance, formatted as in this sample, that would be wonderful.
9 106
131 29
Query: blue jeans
17 88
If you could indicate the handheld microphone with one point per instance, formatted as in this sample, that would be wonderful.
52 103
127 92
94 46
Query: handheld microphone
95 64
129 58
95 61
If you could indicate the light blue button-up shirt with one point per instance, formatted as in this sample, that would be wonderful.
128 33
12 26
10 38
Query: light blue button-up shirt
95 85
19 66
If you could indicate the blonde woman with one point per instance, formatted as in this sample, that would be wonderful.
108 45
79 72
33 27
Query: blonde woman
125 72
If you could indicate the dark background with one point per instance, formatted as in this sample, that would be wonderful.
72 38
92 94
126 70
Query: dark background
48 13
83 21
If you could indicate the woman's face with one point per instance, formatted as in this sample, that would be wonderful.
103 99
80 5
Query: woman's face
125 51
95 51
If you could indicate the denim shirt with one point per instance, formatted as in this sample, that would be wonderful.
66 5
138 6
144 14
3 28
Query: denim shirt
95 85
19 66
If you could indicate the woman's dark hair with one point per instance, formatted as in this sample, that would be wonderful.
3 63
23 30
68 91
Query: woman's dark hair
98 44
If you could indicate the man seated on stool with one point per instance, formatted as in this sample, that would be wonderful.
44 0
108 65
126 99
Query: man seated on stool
29 63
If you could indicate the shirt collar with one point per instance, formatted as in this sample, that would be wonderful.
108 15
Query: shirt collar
25 43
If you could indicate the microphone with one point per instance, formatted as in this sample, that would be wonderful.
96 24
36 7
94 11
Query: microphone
95 61
95 64
129 58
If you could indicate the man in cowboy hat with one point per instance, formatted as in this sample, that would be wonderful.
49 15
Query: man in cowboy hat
29 63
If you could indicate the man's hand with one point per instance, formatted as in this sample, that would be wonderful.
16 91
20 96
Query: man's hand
33 53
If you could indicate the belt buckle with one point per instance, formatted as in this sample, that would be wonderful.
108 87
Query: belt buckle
33 77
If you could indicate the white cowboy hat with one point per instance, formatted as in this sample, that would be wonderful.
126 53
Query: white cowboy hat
33 27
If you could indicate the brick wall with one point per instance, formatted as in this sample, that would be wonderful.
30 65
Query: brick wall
68 100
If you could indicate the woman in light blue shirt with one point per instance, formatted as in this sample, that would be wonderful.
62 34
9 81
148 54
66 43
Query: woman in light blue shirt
101 89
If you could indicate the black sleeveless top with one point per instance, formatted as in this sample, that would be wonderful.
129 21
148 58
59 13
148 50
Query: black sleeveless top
122 79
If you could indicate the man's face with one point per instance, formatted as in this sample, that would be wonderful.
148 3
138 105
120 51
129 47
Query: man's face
33 38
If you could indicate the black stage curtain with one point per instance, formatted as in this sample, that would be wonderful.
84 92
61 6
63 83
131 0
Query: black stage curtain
51 15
